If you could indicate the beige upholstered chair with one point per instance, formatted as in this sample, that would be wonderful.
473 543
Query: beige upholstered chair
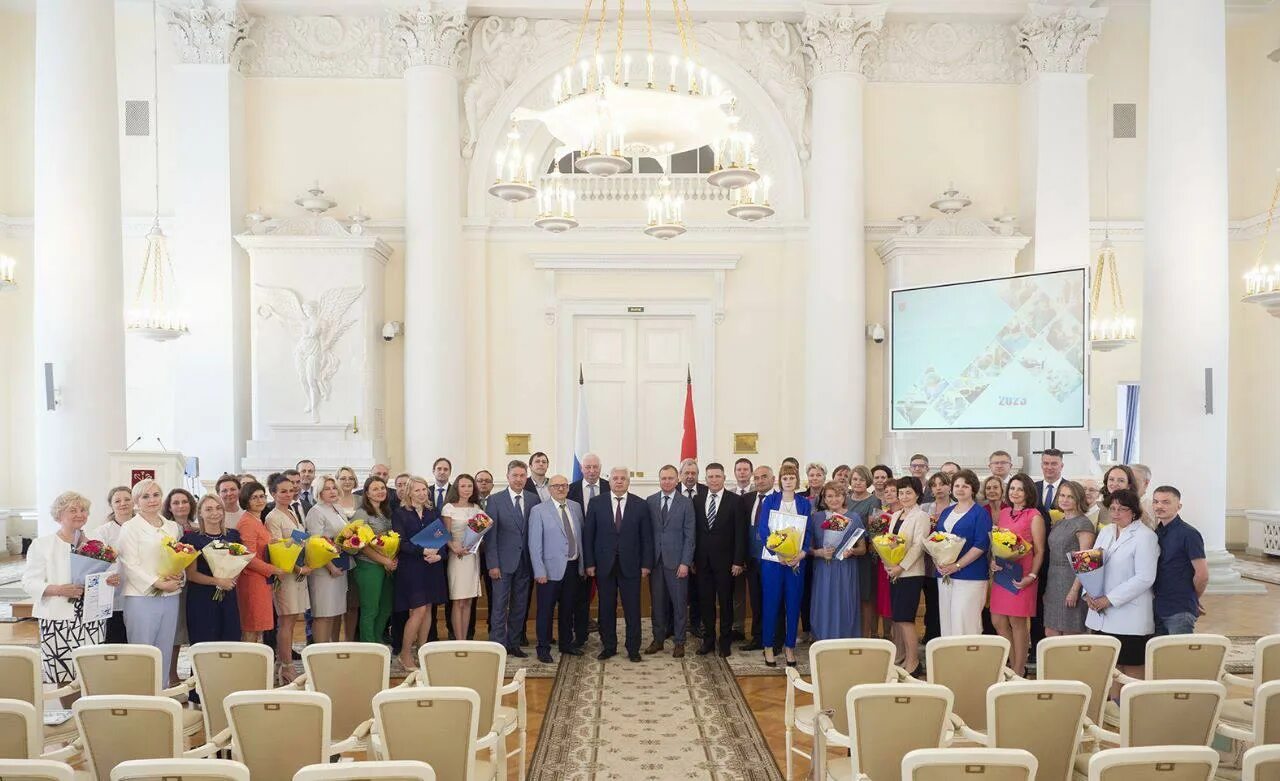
349 674
968 665
1265 729
35 770
1161 713
1042 717
1262 763
886 720
1154 763
222 668
481 666
116 728
988 764
133 670
1087 658
20 679
367 771
1238 712
276 733
21 736
1193 657
450 715
180 770
837 665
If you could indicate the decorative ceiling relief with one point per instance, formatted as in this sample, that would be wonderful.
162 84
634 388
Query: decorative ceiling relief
945 52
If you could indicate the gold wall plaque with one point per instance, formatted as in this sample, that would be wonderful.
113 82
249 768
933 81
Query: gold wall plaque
745 443
518 444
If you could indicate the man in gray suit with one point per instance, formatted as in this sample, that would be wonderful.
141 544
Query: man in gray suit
555 548
674 527
506 554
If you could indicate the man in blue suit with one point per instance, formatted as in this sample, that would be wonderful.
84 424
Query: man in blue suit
674 533
555 548
506 554
619 549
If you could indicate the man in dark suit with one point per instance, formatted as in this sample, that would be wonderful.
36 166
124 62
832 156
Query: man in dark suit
506 555
697 493
306 476
751 509
718 558
590 486
619 549
441 470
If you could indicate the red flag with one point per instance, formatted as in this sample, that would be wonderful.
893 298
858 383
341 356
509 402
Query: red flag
689 441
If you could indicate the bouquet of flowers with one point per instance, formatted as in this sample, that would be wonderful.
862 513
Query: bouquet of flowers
477 527
284 554
1087 564
226 560
944 548
785 543
892 549
318 551
1007 546
354 536
1056 515
92 557
175 555
833 530
387 544
879 523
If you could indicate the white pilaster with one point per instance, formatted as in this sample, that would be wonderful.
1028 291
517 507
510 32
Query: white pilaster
79 271
212 362
1054 204
835 395
1186 269
435 408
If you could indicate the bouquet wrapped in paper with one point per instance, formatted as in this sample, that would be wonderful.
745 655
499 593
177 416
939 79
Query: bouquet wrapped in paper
878 523
284 554
175 556
944 548
387 544
833 531
477 528
1087 564
785 542
354 536
1056 515
226 560
92 557
1007 545
892 548
318 551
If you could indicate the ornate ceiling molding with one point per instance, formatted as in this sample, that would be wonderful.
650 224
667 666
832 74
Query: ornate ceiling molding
836 36
325 47
945 52
211 35
1056 39
432 36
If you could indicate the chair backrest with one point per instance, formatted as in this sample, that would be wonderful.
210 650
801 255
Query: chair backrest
129 726
1154 763
1170 713
1186 657
35 770
403 770
276 733
21 731
967 665
1266 659
1087 658
117 669
839 665
989 764
1261 763
350 674
478 665
223 668
449 714
20 677
180 770
1266 714
888 720
1042 717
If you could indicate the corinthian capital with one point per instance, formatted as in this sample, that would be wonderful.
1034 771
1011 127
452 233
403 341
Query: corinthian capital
836 36
1056 39
211 33
432 35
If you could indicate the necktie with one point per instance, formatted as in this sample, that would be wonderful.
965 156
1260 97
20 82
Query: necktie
617 515
591 489
1048 496
297 509
691 492
306 497
711 513
439 496
519 507
665 506
568 533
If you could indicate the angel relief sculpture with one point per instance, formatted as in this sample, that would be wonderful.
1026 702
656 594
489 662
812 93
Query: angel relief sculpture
317 325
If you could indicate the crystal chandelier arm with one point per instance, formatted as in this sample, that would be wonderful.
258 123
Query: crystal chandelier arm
1117 297
582 28
1095 291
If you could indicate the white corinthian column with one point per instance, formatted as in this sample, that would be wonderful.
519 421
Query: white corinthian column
835 352
435 411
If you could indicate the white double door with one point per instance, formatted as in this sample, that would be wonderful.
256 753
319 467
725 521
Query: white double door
635 372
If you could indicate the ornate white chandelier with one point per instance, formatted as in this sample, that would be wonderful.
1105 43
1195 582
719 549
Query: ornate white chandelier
607 113
1262 282
1119 330
154 314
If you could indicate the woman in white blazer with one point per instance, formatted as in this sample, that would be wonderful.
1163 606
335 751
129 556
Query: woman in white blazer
150 599
1130 552
47 580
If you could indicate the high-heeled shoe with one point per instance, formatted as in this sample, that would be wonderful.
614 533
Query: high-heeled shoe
767 661
791 662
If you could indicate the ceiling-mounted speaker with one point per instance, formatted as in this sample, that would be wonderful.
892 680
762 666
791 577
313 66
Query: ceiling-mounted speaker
137 117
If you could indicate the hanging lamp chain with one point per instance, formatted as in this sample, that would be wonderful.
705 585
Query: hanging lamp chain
648 25
617 54
582 29
1266 231
591 67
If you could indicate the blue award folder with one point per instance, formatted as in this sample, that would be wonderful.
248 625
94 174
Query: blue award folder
1009 573
434 537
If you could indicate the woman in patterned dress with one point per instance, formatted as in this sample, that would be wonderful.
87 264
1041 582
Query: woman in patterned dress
863 502
47 580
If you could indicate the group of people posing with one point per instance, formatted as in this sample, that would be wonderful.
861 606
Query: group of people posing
701 541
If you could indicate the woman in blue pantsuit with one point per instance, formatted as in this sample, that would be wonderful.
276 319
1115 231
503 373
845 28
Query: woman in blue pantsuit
782 582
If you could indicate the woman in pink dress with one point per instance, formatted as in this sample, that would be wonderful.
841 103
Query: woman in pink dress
1011 612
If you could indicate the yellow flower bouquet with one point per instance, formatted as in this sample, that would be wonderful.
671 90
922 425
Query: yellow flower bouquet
387 544
785 543
354 536
175 555
284 554
892 548
1008 546
319 551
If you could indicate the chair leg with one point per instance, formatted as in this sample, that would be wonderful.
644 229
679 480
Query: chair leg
524 743
790 758
500 758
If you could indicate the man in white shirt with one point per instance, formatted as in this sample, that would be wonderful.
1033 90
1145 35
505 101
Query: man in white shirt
306 476
539 463
751 503
1001 465
590 486
742 469
1047 488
